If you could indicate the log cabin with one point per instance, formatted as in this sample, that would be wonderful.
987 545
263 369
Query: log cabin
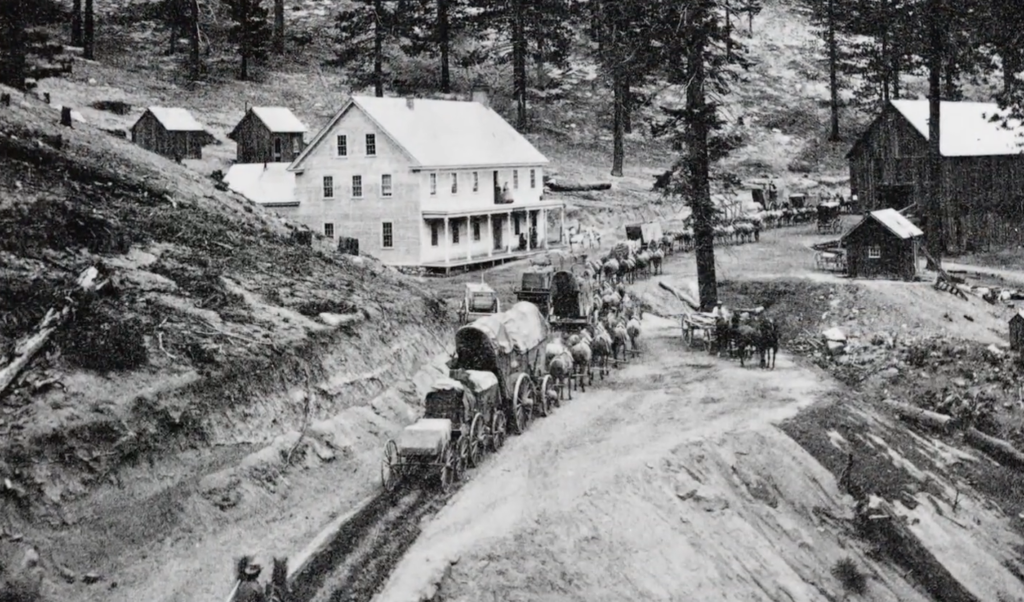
171 132
268 135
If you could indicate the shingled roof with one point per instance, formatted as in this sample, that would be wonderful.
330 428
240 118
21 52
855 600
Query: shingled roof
441 134
966 128
175 119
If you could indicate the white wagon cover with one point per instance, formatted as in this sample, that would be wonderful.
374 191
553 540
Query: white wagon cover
427 436
521 328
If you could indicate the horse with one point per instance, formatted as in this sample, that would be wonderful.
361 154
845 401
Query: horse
619 338
656 260
560 367
601 349
277 588
768 342
582 355
633 331
611 269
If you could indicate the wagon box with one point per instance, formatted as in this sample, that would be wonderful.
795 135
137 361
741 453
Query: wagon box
427 437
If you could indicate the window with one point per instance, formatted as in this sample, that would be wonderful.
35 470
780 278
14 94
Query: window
277 149
387 238
874 252
515 179
371 145
342 146
357 186
328 187
433 184
455 233
329 230
455 183
433 235
515 225
476 181
296 145
385 185
533 178
476 230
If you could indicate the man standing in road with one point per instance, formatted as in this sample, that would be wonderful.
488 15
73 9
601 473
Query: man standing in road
249 589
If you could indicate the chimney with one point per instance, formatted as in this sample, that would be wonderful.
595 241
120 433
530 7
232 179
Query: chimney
410 102
479 94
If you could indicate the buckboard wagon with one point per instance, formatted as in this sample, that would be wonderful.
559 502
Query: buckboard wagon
479 300
829 219
536 288
460 420
699 330
830 256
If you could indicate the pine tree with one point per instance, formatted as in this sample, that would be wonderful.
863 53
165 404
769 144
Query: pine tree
13 15
250 32
76 23
89 32
279 26
363 28
176 16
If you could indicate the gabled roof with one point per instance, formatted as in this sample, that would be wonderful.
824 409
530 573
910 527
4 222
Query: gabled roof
175 119
893 221
965 127
440 134
269 184
279 120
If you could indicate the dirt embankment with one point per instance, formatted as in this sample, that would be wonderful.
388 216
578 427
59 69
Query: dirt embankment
165 413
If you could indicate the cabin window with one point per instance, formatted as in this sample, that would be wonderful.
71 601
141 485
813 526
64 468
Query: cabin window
328 187
433 184
455 183
277 149
433 235
455 233
329 230
296 145
385 185
476 181
387 237
371 145
515 179
874 252
476 230
342 146
357 186
533 178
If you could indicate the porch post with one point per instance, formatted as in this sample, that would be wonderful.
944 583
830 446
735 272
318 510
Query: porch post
543 221
447 240
490 235
508 230
561 230
469 237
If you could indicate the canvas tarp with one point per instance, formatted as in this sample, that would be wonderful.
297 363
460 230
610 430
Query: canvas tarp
652 232
481 381
427 436
525 325
447 384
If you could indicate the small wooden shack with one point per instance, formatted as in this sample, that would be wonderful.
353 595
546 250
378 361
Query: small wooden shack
171 132
268 135
1017 331
882 245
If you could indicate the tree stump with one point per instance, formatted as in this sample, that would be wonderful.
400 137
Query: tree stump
5 99
65 117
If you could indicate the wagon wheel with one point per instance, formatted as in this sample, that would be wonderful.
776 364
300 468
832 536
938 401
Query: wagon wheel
476 440
446 462
522 404
499 430
542 404
461 456
391 466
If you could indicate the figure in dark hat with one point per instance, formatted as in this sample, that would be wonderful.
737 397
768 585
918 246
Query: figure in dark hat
248 574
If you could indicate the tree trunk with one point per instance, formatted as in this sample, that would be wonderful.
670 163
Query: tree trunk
193 39
628 104
618 146
833 80
444 41
279 26
933 223
519 62
950 72
883 59
88 34
378 48
697 164
728 32
12 27
896 75
76 23
1011 67
243 43
750 20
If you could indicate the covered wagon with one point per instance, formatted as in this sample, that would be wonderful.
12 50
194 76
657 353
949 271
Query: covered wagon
460 420
509 345
572 302
479 300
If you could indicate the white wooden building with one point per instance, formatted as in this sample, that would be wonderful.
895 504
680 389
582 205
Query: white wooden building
431 183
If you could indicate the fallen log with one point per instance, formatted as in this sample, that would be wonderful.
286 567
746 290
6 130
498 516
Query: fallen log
997 448
934 420
694 306
31 345
578 187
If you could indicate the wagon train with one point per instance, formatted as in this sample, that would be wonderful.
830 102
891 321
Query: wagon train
572 302
460 422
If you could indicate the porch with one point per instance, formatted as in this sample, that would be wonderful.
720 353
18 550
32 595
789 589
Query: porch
460 238
484 262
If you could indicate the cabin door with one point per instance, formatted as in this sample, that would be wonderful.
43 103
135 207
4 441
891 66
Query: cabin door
498 228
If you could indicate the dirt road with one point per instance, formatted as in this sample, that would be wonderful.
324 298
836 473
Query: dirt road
666 482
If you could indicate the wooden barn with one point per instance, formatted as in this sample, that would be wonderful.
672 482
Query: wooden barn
882 245
171 132
982 170
268 135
